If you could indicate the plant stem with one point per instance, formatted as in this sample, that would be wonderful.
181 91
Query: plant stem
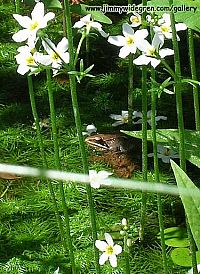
156 170
144 144
194 77
17 6
87 48
181 122
178 92
130 89
126 255
78 48
130 84
79 131
41 146
58 166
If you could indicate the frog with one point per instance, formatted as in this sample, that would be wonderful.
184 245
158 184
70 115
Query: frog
119 151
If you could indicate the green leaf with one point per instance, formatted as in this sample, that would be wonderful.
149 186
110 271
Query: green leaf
53 4
182 256
170 137
191 202
176 237
96 15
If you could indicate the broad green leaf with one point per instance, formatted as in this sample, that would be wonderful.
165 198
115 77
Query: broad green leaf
182 256
190 202
170 137
96 15
53 4
176 237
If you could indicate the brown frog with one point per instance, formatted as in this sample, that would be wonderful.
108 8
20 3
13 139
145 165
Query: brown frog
118 151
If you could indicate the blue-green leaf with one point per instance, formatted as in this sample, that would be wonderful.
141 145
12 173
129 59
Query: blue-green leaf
191 202
170 137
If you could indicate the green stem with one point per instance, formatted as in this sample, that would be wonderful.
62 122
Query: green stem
178 92
144 143
79 131
130 90
17 6
126 255
130 84
79 48
41 146
58 166
194 77
87 48
144 151
156 170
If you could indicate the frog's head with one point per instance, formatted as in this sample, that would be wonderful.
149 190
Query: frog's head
98 142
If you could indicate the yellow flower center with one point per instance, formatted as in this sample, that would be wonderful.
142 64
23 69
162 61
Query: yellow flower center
55 57
125 120
135 20
165 28
129 40
30 61
109 250
167 152
34 25
151 52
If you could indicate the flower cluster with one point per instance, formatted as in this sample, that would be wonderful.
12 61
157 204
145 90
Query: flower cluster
132 41
123 118
28 58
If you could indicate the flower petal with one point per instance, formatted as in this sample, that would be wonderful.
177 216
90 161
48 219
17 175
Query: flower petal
21 35
117 249
49 16
154 62
63 45
118 123
38 11
101 245
109 239
24 21
79 25
127 30
125 51
118 40
166 52
103 258
180 26
142 60
113 260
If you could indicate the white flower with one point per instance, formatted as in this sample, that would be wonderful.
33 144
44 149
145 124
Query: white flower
90 129
136 20
123 118
165 26
56 54
109 250
26 60
130 41
31 25
57 271
139 115
88 23
191 270
165 154
98 178
152 53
